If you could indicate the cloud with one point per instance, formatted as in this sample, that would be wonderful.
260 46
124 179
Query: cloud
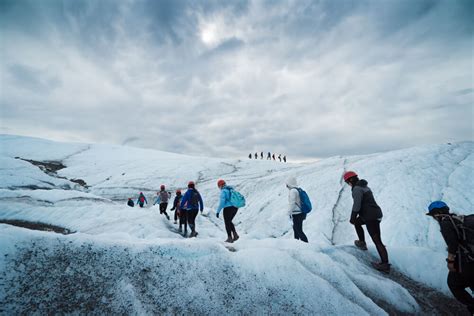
305 78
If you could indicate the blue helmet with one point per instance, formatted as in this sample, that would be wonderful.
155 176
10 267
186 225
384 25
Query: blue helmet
436 205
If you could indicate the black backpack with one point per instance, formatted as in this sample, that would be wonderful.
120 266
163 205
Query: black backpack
464 226
194 200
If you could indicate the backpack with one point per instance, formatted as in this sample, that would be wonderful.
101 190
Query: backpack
164 196
305 202
194 200
142 199
236 199
464 226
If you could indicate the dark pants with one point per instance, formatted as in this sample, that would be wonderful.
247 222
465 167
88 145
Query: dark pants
458 282
163 207
373 227
141 204
176 215
298 226
229 213
191 214
183 220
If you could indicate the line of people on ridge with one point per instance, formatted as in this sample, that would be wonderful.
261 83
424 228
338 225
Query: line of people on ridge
457 231
270 156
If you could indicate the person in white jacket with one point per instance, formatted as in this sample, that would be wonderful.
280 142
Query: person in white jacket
294 209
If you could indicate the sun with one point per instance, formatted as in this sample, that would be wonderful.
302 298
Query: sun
209 34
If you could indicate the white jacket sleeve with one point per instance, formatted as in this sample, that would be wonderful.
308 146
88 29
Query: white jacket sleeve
292 199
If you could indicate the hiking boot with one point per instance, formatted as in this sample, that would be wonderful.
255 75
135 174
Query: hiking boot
236 237
360 244
381 266
175 222
229 240
193 234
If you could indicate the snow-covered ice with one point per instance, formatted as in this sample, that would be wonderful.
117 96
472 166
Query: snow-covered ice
131 260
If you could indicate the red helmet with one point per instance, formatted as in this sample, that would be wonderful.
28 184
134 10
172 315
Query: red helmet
220 183
349 174
162 187
191 184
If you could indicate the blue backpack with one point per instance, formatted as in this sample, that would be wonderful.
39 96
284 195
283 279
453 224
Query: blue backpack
305 202
236 199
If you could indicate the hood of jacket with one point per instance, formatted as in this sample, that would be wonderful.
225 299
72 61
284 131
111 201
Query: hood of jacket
291 182
362 183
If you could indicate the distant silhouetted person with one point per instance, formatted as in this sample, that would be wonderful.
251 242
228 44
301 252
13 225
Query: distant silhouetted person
130 202
284 158
141 200
269 156
250 156
279 157
261 155
273 156
256 156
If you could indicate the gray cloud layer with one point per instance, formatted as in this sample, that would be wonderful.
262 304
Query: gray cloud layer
305 78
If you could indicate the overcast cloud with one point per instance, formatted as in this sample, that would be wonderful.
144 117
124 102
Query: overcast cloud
225 78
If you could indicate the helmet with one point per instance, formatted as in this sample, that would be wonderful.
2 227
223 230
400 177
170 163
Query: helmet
141 192
178 191
349 174
220 183
191 184
162 187
436 206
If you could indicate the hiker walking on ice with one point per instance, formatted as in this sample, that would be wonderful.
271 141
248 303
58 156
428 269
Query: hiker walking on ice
192 204
294 209
141 200
458 233
228 209
130 202
163 197
365 211
178 213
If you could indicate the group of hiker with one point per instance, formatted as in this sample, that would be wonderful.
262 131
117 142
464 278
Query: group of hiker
457 230
270 156
186 207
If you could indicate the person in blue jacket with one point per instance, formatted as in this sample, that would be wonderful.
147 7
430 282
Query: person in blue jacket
141 199
229 211
192 204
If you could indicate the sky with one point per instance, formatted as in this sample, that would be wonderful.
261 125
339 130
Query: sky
307 79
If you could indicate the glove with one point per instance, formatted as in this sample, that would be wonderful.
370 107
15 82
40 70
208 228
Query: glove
451 266
353 219
217 215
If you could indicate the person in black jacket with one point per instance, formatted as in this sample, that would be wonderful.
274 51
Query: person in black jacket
130 202
365 211
460 263
177 213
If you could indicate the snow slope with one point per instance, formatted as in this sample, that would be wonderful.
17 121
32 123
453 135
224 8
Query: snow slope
131 260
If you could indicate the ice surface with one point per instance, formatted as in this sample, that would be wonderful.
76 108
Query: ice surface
266 266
